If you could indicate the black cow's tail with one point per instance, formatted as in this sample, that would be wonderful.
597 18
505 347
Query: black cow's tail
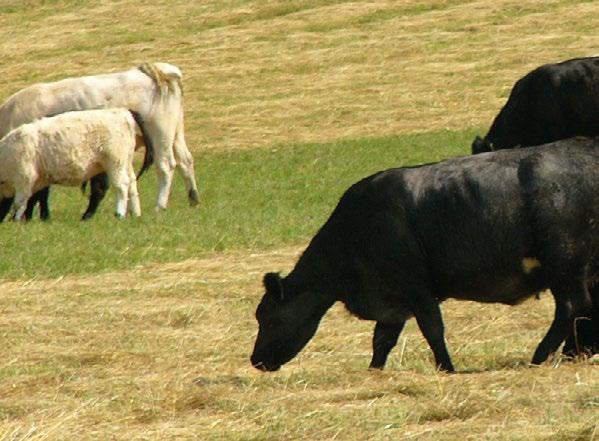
149 155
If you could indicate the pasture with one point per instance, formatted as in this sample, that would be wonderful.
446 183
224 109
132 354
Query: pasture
142 329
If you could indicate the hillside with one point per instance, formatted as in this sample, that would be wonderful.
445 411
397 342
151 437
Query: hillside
261 73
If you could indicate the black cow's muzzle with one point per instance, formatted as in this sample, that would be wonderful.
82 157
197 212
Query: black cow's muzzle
264 367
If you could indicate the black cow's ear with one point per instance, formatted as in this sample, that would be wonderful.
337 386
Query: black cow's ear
274 285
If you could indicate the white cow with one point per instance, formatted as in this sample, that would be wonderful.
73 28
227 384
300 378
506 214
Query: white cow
154 90
69 149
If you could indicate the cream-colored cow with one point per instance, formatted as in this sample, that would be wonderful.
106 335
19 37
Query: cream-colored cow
69 149
154 90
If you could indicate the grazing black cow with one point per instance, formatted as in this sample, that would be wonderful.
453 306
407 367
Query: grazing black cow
498 227
553 102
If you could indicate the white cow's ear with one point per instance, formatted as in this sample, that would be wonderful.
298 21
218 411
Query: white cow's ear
274 285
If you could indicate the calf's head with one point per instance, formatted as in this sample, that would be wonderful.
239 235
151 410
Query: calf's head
287 318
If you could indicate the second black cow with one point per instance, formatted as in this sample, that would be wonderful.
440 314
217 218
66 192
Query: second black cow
497 227
552 102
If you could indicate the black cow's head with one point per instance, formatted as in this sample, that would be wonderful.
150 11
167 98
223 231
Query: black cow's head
287 319
480 145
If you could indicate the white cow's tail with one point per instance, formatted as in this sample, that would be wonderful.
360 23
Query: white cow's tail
149 155
167 77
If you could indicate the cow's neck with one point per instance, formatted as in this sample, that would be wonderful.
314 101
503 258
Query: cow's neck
314 272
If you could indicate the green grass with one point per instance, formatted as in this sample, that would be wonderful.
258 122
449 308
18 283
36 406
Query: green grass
252 199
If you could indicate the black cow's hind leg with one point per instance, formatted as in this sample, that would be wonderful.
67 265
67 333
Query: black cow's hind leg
98 187
585 336
570 302
384 339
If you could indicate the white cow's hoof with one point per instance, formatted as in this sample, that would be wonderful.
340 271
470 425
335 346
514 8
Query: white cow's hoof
194 198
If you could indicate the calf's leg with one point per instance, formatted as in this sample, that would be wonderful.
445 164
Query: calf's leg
120 181
384 339
134 205
22 195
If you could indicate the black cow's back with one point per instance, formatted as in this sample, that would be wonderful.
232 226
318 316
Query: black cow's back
467 225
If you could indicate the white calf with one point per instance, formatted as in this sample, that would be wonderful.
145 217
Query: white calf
69 149
154 90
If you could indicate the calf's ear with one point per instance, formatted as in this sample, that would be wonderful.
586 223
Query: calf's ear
274 285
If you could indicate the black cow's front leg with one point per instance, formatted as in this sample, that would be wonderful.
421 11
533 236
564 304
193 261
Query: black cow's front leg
429 319
384 339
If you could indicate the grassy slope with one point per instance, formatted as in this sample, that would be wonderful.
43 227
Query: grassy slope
260 73
251 200
328 91
161 352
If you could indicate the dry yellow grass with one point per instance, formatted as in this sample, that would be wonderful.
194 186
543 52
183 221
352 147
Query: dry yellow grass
161 352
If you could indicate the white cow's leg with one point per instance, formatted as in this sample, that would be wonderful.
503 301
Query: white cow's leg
184 160
162 135
134 205
164 169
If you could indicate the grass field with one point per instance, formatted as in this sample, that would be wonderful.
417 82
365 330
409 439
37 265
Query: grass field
142 329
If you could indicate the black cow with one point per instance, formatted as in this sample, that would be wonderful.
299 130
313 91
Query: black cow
498 227
553 102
